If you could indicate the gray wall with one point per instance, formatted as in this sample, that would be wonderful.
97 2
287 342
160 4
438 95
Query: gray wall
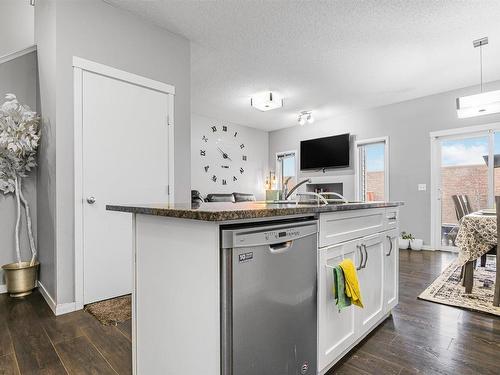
16 26
45 31
96 31
19 77
408 125
256 146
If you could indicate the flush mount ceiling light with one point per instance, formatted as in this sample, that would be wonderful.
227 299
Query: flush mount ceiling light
305 116
481 104
265 101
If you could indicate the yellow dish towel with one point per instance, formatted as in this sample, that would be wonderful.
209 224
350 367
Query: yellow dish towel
351 282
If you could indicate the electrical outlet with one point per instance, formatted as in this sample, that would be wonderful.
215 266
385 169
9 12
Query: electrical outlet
422 187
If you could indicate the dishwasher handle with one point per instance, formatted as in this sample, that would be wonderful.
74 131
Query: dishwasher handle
282 247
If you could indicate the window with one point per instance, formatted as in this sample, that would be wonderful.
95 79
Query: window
372 169
286 169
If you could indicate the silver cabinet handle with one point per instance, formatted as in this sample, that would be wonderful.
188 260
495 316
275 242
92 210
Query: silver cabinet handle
390 249
362 257
366 257
90 200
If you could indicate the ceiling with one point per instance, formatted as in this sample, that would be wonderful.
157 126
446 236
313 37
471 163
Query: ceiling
326 56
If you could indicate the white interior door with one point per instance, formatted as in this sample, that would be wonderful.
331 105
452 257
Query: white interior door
125 159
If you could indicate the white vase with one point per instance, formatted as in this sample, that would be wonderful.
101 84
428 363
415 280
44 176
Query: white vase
416 244
403 244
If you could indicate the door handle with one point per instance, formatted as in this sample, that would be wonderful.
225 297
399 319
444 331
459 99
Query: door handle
366 257
90 200
362 257
390 249
280 247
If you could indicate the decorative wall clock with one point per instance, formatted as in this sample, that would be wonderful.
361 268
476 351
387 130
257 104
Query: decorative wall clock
223 154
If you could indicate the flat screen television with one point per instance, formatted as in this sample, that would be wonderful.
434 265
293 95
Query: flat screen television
327 152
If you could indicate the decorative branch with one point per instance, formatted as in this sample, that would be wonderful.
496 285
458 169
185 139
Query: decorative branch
19 139
18 220
28 222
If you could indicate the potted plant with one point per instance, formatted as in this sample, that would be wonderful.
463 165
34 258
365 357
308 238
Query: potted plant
404 240
416 244
19 139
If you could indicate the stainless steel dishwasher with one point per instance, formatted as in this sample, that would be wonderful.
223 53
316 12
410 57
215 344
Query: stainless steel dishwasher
268 299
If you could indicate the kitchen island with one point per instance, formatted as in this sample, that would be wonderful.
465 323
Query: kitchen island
181 306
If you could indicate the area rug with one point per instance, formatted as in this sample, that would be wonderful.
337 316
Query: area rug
111 311
447 289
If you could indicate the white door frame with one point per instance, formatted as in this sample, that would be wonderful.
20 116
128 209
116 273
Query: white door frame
456 133
357 174
79 66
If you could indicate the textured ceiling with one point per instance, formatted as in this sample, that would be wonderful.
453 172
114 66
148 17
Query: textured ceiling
326 56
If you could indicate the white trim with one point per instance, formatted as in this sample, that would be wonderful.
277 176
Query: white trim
3 288
66 308
79 66
48 298
122 75
465 130
78 184
15 55
387 169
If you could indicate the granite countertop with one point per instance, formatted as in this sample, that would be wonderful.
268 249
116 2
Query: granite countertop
240 211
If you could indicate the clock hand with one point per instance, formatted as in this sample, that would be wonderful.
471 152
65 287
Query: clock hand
224 155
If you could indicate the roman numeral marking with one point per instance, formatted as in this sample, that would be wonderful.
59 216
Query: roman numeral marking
214 129
206 168
203 152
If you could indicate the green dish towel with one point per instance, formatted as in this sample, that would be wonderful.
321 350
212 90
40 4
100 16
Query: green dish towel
341 300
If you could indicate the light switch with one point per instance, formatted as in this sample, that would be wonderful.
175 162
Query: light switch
422 187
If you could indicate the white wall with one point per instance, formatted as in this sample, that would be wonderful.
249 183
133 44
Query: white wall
16 26
96 31
255 167
17 76
408 125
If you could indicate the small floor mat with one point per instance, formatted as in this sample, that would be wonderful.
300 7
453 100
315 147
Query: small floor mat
447 289
111 311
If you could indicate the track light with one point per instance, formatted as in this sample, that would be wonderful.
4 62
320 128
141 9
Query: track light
305 116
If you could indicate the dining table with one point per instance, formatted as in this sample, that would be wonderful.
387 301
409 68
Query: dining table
477 235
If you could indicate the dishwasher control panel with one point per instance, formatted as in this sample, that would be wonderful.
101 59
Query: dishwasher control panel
269 235
285 235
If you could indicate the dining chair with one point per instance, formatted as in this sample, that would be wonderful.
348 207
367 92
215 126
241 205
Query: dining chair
462 208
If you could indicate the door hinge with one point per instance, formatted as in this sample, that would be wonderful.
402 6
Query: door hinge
168 189
168 120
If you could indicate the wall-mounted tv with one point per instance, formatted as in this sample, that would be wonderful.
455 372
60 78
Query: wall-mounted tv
327 152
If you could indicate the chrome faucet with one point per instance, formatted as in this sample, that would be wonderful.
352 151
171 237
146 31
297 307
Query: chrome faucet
296 187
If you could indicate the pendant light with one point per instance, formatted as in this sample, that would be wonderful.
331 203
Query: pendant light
481 104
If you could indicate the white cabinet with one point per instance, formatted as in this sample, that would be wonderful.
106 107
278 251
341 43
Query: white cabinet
371 282
337 330
391 270
369 237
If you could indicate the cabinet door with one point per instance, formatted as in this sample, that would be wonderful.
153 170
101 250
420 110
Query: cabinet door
336 329
371 282
391 270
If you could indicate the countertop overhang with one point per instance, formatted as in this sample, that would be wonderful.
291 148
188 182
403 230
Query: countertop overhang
220 212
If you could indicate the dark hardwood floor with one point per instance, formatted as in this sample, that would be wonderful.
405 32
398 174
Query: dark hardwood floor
420 338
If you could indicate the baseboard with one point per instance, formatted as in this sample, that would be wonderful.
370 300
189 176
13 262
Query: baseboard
57 309
65 308
3 288
428 248
48 298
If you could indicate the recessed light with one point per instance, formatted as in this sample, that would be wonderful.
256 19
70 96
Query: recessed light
265 101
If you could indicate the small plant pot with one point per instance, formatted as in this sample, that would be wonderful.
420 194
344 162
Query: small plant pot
404 244
20 278
416 244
